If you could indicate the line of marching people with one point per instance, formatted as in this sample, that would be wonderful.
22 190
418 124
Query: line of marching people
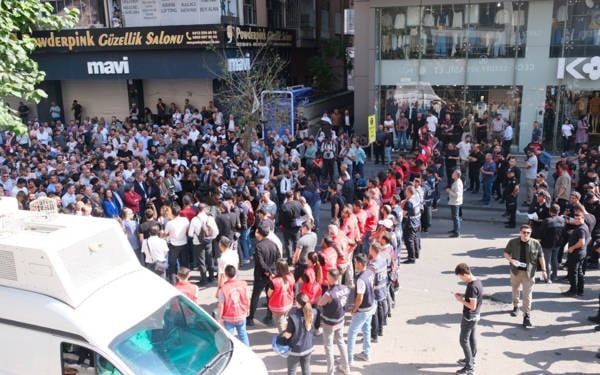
313 299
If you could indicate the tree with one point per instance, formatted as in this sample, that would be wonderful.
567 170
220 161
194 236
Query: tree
19 74
240 90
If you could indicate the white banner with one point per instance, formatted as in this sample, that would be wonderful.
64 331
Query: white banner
138 13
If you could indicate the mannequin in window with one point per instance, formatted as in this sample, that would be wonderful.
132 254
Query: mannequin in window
457 18
441 43
428 19
595 112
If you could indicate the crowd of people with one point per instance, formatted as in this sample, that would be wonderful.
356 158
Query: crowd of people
192 193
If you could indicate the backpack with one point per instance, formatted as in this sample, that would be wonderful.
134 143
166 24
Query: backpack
250 218
209 230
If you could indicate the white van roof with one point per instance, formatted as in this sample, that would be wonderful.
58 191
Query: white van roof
118 302
62 256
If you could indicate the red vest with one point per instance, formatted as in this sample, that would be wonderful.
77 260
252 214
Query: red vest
311 288
235 301
330 256
282 298
189 290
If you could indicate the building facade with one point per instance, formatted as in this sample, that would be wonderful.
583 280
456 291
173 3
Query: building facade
136 51
530 61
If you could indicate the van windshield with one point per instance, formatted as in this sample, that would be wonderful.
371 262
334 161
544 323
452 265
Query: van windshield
179 338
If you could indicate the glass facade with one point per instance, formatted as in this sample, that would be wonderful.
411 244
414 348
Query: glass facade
531 61
485 102
494 29
91 12
575 28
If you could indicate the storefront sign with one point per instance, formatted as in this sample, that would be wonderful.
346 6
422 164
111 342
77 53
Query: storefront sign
166 37
579 68
238 64
108 67
116 65
372 128
171 12
249 36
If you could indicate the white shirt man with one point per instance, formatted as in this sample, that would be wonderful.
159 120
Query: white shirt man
69 197
155 249
286 184
464 149
508 132
176 229
195 227
194 134
388 124
432 122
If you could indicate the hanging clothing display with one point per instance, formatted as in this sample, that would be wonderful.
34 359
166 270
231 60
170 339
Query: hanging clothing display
386 21
518 18
502 17
400 21
473 14
457 20
428 20
413 16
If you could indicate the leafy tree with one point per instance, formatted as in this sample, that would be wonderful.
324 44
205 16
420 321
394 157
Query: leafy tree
240 91
19 74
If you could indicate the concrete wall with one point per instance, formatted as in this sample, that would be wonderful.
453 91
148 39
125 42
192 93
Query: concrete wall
101 98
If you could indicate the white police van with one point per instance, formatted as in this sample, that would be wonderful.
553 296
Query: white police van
75 300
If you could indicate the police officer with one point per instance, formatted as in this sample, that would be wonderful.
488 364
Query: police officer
378 264
333 302
364 308
411 224
511 192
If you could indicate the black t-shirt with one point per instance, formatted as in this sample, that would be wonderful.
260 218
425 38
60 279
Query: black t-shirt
144 228
578 233
474 290
451 163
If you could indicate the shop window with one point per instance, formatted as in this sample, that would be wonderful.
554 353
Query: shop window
91 12
229 8
250 12
574 105
495 29
575 29
77 359
485 102
275 14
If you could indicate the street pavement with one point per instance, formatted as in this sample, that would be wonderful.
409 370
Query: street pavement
422 334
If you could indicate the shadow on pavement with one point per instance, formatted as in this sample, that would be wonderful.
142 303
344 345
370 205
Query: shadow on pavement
442 320
408 368
544 359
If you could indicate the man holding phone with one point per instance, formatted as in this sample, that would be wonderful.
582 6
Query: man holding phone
471 300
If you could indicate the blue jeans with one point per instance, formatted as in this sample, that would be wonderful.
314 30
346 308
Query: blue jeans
487 189
360 168
388 154
402 140
454 213
468 340
316 208
245 244
361 322
241 330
